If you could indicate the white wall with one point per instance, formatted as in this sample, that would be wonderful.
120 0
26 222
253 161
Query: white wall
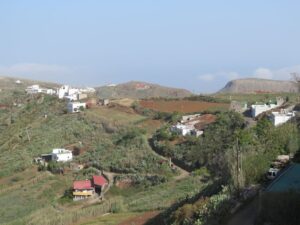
74 107
62 155
278 118
258 109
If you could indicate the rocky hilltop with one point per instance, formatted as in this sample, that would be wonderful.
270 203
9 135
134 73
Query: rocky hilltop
138 90
254 85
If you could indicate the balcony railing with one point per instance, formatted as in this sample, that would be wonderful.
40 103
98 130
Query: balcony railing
83 193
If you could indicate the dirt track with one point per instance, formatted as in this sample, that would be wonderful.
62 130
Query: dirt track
140 220
247 215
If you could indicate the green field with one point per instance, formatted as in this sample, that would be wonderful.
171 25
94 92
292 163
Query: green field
110 219
252 98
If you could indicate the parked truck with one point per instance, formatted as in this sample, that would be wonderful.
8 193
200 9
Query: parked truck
279 163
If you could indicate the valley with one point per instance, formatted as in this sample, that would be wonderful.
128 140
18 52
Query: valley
154 174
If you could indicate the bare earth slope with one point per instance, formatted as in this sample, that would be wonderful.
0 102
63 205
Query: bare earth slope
253 85
138 90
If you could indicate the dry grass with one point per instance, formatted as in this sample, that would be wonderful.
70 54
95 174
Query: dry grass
124 101
182 106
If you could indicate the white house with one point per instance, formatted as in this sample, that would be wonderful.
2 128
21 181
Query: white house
61 155
186 129
74 107
182 129
34 89
18 82
67 92
260 108
282 117
193 124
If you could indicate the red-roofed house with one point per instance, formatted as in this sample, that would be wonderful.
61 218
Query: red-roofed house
99 182
82 189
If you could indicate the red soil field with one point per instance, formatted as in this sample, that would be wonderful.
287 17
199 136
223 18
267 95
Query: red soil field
182 106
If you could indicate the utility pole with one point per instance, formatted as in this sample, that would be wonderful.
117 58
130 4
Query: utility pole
237 165
27 134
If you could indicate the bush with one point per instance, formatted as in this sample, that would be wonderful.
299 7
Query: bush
143 180
203 171
118 206
55 167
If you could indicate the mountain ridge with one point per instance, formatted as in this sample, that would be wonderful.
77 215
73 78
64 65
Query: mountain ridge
257 85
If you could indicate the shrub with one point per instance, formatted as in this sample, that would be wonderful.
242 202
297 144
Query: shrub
118 206
55 167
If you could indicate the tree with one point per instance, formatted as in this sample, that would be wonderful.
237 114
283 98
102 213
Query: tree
296 78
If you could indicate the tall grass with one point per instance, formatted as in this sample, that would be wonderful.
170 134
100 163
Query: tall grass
60 216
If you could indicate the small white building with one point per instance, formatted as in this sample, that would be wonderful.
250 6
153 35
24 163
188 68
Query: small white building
48 91
186 129
74 107
104 102
193 125
18 82
88 90
257 109
61 155
111 85
182 129
281 117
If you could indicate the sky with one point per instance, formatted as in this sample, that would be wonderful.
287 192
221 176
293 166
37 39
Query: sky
194 44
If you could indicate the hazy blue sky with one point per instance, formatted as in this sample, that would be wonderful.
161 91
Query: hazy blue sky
194 44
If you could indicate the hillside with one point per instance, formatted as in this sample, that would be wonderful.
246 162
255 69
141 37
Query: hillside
111 139
9 83
138 90
132 149
253 85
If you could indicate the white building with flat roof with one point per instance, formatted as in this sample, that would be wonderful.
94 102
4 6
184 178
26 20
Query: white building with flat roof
74 107
34 89
61 155
282 117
